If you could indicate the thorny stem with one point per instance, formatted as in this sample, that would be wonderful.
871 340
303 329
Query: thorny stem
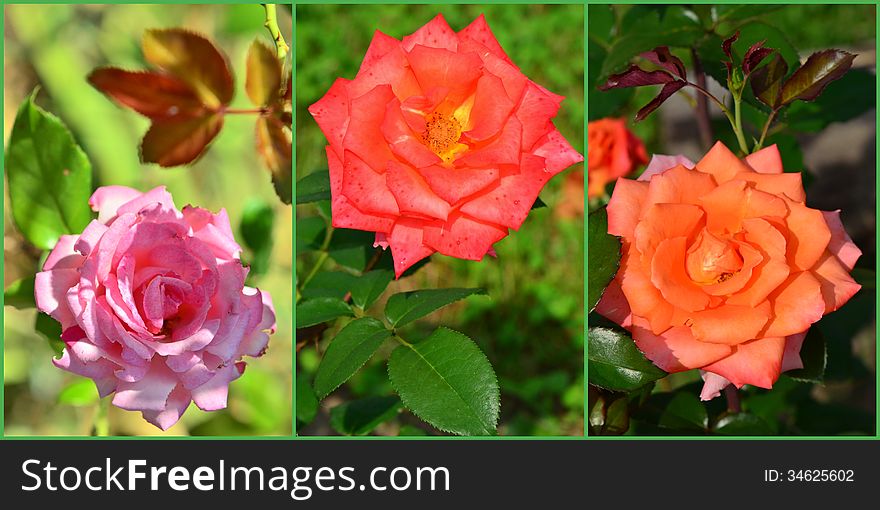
732 396
737 128
764 131
281 47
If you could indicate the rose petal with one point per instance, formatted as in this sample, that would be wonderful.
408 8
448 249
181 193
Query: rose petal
757 363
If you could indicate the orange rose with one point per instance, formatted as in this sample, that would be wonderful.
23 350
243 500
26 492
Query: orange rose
723 267
614 152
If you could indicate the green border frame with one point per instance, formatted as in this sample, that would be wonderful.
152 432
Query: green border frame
585 437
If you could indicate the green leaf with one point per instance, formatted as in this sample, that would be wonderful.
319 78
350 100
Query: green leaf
51 330
610 420
310 233
257 220
604 256
814 358
352 248
367 289
406 307
348 352
20 293
313 187
538 203
820 69
49 176
615 363
318 310
411 430
306 401
742 424
448 382
767 81
685 412
333 284
81 392
360 417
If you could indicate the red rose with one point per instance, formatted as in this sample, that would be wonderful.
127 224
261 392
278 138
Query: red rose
614 152
439 144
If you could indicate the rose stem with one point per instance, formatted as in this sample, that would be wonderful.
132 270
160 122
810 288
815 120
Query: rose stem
732 396
281 47
703 121
102 418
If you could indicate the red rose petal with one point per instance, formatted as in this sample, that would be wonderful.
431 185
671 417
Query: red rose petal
463 237
434 34
479 31
413 194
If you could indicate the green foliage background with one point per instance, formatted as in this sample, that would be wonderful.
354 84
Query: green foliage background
530 326
54 47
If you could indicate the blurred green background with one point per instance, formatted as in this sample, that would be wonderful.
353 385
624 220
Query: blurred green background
55 47
531 325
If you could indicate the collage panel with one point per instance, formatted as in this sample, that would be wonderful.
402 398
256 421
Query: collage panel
439 225
732 220
148 231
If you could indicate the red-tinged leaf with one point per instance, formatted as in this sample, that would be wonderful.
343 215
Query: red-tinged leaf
263 79
636 77
728 44
665 93
195 60
767 81
754 56
179 142
274 146
818 71
154 95
663 58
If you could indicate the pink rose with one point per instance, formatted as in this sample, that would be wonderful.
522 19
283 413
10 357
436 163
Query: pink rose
152 304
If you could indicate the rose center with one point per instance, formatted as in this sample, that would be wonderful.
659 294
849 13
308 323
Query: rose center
712 260
441 135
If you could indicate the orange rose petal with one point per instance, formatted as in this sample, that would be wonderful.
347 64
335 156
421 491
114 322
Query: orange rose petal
463 237
509 203
757 363
841 245
728 204
557 152
454 184
480 32
664 221
669 276
331 112
346 215
403 141
721 164
503 150
456 72
676 350
364 126
536 109
766 161
739 279
729 324
491 109
644 299
514 81
679 185
791 184
434 34
380 45
392 68
837 284
809 235
406 242
613 305
413 194
625 207
366 189
797 304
